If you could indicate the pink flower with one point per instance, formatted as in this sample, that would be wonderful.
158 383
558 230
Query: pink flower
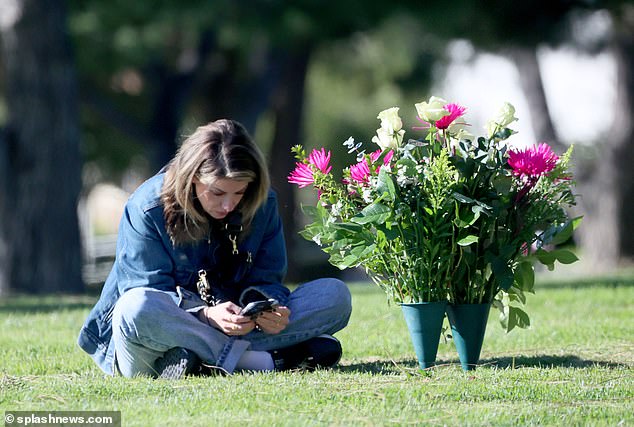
303 173
361 171
386 160
533 162
320 159
455 111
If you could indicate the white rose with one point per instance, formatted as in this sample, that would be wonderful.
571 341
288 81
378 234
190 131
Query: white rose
504 117
433 110
460 131
390 119
383 138
390 134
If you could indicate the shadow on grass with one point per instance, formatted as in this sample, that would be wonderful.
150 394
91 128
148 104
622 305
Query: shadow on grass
544 361
385 367
590 282
549 361
43 305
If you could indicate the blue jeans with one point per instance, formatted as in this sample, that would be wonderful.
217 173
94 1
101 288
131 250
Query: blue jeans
148 322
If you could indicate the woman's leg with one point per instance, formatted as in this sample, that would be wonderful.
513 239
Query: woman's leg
148 322
322 306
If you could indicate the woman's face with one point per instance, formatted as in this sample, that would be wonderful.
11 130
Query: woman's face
221 197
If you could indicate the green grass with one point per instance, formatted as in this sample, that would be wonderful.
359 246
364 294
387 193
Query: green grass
573 367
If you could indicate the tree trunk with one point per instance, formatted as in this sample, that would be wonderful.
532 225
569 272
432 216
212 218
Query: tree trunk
288 107
173 92
230 92
527 63
607 233
624 120
40 179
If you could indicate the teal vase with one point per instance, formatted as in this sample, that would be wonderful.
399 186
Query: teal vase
468 325
424 321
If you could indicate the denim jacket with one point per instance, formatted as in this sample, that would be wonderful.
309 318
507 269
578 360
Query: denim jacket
145 256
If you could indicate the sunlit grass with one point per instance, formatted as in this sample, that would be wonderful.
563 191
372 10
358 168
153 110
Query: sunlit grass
573 367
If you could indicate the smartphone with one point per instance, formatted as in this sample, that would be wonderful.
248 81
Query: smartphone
253 309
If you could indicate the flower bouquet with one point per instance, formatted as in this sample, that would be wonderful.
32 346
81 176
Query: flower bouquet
446 217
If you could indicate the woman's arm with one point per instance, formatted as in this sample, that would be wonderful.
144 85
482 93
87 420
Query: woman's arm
142 258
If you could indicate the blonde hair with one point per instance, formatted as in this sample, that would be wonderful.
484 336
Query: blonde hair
219 150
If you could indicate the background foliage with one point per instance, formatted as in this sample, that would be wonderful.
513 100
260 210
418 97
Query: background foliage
309 72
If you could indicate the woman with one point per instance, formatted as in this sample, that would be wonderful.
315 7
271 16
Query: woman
197 242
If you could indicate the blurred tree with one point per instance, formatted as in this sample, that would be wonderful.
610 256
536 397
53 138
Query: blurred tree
300 35
138 65
607 183
39 152
152 71
517 30
607 234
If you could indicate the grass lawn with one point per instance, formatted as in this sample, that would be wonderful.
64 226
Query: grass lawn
573 367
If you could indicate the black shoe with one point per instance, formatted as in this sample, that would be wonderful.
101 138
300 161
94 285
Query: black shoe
323 351
176 363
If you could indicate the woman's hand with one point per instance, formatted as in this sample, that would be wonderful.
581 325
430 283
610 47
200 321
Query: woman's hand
226 317
273 322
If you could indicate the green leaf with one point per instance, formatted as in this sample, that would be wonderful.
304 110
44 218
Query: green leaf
310 211
498 304
517 317
545 257
485 208
466 241
562 235
502 272
318 214
462 198
504 133
409 166
478 209
348 261
385 185
309 233
345 227
390 233
516 294
465 218
548 258
502 184
338 261
375 213
564 256
525 276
